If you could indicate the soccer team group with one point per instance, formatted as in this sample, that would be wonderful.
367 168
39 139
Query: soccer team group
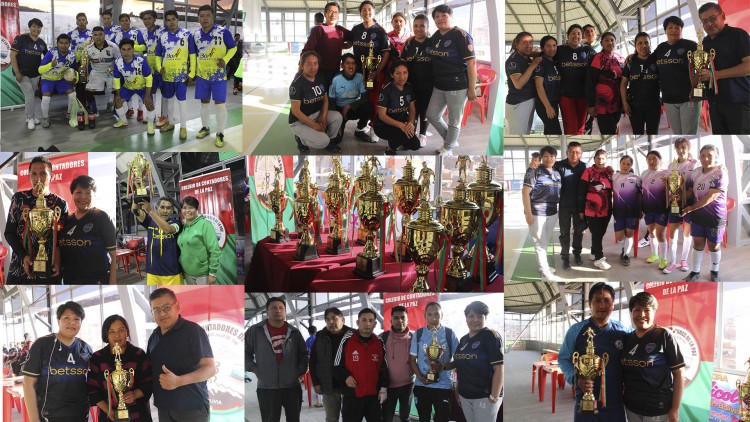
134 69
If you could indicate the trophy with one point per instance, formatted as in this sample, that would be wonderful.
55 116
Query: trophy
487 195
370 66
120 381
139 169
435 356
41 222
426 178
372 208
743 389
337 204
304 209
589 366
461 163
278 199
674 191
698 61
362 185
406 190
424 244
83 69
461 219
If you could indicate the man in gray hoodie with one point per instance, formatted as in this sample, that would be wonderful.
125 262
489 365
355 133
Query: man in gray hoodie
276 353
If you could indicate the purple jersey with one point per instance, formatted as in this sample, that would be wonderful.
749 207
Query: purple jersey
654 191
715 213
626 187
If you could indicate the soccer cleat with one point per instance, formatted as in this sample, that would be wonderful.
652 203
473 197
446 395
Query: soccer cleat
129 113
166 128
651 259
203 133
684 266
625 260
422 141
183 133
120 123
150 129
140 116
361 135
669 268
219 140
45 123
715 276
577 259
602 264
162 121
30 124
663 263
234 92
693 276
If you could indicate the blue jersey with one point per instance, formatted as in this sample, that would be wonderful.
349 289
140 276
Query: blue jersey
449 53
417 349
151 39
346 91
517 64
85 246
475 359
570 176
547 70
211 46
310 94
130 34
111 33
545 190
363 39
133 74
64 62
175 49
396 102
78 40
29 54
162 252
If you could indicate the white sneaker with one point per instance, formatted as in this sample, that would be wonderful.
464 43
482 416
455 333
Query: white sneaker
422 141
550 269
37 121
30 124
592 257
643 243
445 152
549 277
373 137
602 264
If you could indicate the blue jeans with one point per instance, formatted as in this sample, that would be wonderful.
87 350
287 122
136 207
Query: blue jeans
454 101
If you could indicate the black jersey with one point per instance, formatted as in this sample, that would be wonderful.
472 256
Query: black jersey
60 371
672 63
647 365
517 64
363 39
420 63
30 54
643 76
475 359
573 65
449 53
396 102
547 70
85 245
731 46
310 93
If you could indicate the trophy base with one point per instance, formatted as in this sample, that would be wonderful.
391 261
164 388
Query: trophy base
335 246
459 284
279 237
698 94
403 252
588 407
674 210
41 269
431 377
140 198
122 415
368 267
306 252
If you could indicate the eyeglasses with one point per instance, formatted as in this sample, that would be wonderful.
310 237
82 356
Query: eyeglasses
165 309
712 19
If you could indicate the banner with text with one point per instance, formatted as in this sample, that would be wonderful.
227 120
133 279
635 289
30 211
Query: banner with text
414 304
65 168
10 92
261 174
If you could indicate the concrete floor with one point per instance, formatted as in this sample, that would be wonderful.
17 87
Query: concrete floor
266 104
252 411
521 405
520 261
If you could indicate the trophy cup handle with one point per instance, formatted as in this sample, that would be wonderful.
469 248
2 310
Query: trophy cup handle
605 359
575 358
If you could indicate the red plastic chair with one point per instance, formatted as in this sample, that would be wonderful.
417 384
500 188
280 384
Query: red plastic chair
3 254
704 115
731 203
487 78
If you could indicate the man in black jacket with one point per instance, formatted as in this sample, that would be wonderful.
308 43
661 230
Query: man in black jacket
323 351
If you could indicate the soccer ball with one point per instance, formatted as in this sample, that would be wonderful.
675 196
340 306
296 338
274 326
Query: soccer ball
70 75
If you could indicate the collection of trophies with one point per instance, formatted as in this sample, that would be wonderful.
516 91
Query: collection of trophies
467 216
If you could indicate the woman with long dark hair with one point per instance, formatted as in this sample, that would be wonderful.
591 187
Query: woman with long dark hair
420 72
626 190
603 86
573 59
639 88
547 80
520 67
595 204
396 111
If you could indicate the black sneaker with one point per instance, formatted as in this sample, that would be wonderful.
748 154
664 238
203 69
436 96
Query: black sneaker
302 148
578 260
625 260
715 276
332 147
389 151
566 263
622 253
693 276
362 135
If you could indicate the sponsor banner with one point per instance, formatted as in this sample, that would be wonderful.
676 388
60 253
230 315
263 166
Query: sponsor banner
10 92
65 168
725 398
414 303
261 175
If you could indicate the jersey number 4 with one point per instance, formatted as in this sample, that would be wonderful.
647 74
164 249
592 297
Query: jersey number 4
632 351
70 359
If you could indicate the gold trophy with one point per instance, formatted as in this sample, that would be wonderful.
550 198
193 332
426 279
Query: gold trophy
140 170
304 209
674 189
278 199
83 69
700 60
424 244
436 357
337 203
370 66
121 382
589 367
487 194
372 208
461 219
42 223
406 190
362 185
743 389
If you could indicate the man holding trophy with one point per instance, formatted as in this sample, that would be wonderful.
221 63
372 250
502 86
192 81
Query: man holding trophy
33 220
590 354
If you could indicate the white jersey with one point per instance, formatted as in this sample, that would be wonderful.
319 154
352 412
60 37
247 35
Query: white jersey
102 59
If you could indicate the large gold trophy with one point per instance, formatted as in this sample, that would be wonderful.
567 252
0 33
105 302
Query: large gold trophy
743 389
370 66
461 219
589 367
675 190
83 69
424 244
41 222
279 200
140 170
435 357
337 204
406 191
487 194
362 185
305 207
699 60
372 208
121 382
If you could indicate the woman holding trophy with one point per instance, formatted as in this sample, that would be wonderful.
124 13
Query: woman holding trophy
685 164
119 379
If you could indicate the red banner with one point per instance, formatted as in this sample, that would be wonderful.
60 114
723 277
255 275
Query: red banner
9 30
65 168
737 13
214 194
414 303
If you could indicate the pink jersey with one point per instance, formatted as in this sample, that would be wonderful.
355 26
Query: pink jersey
654 190
715 213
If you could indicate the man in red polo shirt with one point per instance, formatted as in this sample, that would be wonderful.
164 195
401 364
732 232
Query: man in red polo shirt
328 40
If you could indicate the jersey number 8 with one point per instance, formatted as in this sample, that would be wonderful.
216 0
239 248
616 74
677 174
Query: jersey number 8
575 56
364 35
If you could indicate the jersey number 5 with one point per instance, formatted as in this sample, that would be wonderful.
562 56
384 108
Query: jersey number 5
401 101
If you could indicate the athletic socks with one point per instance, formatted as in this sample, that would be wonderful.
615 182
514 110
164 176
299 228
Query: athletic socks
221 117
204 115
715 260
663 250
687 243
71 100
183 113
673 249
628 245
697 259
654 246
45 107
121 112
157 105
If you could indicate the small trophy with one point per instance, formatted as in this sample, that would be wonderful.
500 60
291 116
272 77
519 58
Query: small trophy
674 185
41 222
278 199
120 381
406 192
337 203
435 356
305 207
589 367
698 61
370 66
139 170
743 389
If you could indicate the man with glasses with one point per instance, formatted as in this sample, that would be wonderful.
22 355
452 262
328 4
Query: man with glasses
328 40
276 353
181 360
323 351
729 101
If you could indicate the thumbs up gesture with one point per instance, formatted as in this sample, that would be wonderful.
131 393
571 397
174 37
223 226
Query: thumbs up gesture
168 380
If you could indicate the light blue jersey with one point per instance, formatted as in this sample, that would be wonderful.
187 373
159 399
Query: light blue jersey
346 91
445 378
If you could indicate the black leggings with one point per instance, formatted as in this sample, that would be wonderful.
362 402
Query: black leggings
551 126
608 122
645 113
597 227
422 97
396 137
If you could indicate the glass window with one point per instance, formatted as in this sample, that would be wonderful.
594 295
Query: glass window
733 344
